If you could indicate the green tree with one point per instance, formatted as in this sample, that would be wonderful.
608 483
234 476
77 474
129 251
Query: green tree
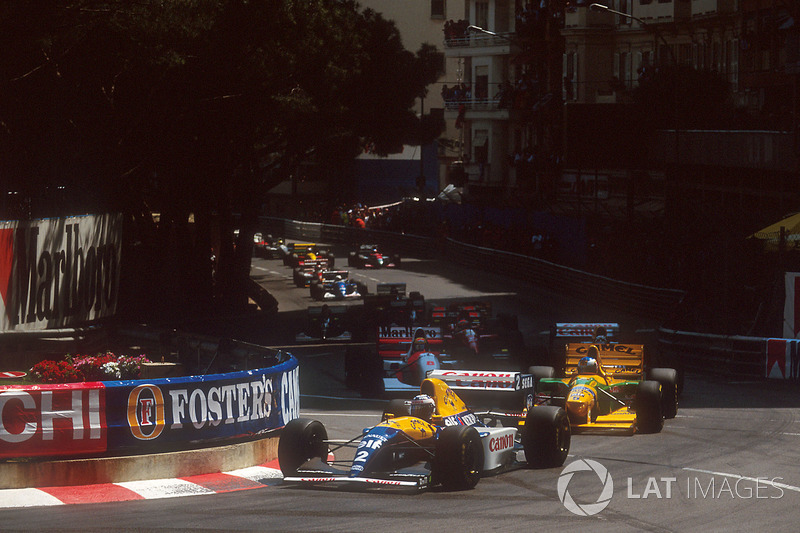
194 109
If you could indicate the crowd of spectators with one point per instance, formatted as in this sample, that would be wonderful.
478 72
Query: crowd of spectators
455 32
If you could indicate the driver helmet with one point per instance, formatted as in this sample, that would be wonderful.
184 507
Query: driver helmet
338 277
587 365
422 406
600 335
420 345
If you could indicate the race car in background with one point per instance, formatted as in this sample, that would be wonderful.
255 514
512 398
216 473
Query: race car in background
433 439
336 285
309 271
325 324
477 338
403 358
370 256
298 252
605 388
267 246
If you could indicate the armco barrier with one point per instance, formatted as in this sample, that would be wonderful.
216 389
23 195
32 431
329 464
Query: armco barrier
726 355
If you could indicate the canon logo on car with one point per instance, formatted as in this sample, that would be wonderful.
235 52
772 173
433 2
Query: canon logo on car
498 444
466 373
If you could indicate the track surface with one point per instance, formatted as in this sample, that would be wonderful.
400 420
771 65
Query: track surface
729 460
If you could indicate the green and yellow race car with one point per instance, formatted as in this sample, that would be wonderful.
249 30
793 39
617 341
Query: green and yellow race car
606 389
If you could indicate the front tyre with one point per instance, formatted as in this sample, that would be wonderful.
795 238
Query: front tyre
458 463
546 436
647 404
301 439
668 378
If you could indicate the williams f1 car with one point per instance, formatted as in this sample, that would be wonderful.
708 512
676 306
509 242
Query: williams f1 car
325 324
606 389
336 285
433 439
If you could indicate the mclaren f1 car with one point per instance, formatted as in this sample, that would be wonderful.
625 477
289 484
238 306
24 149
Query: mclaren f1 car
433 439
606 389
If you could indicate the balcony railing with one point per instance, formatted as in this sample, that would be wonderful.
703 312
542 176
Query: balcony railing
475 104
481 40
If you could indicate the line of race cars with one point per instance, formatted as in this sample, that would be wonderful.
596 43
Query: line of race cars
446 358
435 439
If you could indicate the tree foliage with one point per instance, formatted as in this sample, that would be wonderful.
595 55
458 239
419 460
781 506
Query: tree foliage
196 107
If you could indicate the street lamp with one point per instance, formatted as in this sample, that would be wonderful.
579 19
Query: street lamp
478 29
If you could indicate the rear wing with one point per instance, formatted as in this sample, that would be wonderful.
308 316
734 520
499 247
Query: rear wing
391 289
395 341
620 361
582 331
335 310
301 246
484 380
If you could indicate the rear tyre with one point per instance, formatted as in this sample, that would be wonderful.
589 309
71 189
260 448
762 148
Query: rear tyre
647 404
540 372
668 378
458 463
546 436
301 439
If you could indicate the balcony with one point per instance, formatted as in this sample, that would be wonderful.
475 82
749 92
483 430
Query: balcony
711 8
481 44
658 12
583 17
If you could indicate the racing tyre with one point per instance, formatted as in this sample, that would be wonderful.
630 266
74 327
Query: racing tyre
301 439
546 436
668 378
540 372
649 418
316 290
351 260
458 463
396 407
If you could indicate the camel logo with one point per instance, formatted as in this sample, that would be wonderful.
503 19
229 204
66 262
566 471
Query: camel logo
586 509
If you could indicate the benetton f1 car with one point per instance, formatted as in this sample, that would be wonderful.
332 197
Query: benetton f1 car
447 444
605 390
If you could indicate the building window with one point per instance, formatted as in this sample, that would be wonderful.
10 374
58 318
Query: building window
482 14
437 9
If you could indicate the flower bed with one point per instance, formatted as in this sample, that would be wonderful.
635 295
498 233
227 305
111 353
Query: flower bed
101 367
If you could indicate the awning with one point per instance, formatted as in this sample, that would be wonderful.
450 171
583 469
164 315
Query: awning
770 236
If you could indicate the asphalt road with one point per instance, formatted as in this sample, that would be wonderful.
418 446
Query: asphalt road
728 461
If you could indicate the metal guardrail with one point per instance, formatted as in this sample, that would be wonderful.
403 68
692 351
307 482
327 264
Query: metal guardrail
725 355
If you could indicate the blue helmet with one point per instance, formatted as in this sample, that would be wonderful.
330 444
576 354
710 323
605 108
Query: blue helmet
587 365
